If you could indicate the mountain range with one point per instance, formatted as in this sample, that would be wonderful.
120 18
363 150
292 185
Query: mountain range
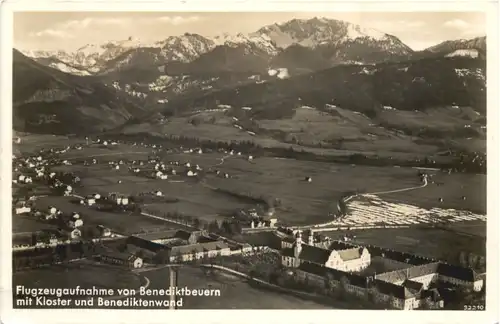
302 45
368 85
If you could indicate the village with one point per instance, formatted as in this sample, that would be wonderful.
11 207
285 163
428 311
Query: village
58 218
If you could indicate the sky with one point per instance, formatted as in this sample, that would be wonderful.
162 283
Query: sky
71 30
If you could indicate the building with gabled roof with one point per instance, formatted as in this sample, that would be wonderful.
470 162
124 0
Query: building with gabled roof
407 287
119 258
350 259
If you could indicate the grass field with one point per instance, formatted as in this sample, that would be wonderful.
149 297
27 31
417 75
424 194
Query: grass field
126 223
108 153
33 143
24 223
307 203
234 293
194 199
80 273
435 243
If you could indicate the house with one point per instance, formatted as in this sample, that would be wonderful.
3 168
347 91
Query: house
105 232
75 234
407 297
22 210
189 237
345 259
198 251
161 237
434 272
123 259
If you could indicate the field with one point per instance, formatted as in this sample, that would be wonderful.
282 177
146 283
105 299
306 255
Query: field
125 223
306 203
194 199
383 134
24 224
310 126
435 243
234 293
33 143
81 273
302 203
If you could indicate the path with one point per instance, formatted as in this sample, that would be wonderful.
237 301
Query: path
396 190
364 194
268 284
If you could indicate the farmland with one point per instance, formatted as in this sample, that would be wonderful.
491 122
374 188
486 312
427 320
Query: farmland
125 223
302 203
430 242
309 203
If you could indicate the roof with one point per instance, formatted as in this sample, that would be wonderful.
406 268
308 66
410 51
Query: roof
461 273
423 270
119 255
313 268
394 290
288 252
433 294
314 254
316 269
186 235
413 286
409 273
157 235
398 256
198 247
339 245
350 254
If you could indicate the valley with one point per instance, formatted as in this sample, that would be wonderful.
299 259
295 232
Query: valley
306 164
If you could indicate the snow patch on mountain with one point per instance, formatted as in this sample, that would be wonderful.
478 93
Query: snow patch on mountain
477 73
280 73
68 69
464 52
262 42
356 31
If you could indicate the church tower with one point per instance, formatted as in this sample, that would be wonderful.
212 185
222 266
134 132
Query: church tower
310 238
298 245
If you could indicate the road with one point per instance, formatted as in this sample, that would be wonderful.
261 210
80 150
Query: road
366 194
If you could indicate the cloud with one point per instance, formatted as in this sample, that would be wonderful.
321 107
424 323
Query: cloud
68 29
457 24
178 20
51 33
396 26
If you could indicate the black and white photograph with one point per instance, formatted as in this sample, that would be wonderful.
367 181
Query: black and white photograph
249 160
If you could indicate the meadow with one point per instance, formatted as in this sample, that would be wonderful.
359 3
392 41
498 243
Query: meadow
429 242
309 202
122 222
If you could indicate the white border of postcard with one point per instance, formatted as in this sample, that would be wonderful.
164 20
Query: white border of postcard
8 315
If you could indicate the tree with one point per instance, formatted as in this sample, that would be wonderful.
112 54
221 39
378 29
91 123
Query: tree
226 227
213 227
